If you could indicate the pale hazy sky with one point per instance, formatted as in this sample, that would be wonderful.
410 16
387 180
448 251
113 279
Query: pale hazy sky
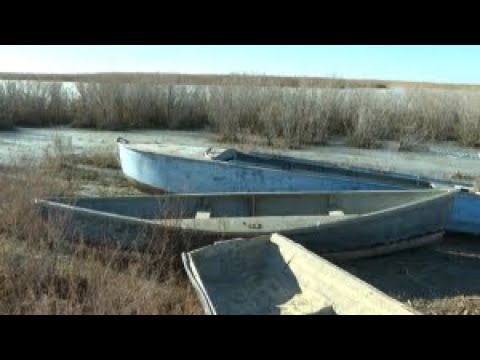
441 63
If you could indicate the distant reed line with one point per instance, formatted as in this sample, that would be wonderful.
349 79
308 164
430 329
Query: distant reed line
290 117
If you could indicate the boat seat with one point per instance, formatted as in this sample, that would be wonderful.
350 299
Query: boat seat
203 215
336 213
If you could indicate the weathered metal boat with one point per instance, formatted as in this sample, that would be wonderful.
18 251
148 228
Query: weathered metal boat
324 222
188 169
272 275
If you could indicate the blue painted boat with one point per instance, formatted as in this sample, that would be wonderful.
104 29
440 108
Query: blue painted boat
188 169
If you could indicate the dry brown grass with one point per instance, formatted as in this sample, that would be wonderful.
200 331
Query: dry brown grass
30 103
139 105
40 280
366 117
242 108
233 111
100 159
46 268
469 120
291 117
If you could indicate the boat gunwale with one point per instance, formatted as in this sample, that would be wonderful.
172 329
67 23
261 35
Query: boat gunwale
260 193
418 180
192 274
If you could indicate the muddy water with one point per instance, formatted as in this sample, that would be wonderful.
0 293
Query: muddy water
441 160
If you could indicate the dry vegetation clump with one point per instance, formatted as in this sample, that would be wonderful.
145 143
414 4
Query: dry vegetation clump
47 268
294 116
469 119
368 117
30 103
99 159
298 116
291 117
116 106
233 111
6 120
411 118
435 113
35 279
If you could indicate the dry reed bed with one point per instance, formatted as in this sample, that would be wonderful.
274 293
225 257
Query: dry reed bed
45 267
233 79
287 116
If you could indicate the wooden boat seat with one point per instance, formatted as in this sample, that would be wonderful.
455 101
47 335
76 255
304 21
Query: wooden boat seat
203 215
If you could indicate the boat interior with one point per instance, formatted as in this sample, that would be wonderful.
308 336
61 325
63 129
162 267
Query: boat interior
201 206
252 277
286 163
273 275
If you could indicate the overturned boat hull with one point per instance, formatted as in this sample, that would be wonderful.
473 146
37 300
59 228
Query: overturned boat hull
184 169
272 275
